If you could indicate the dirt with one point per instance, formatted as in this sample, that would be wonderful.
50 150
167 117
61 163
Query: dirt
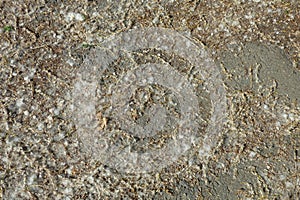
253 44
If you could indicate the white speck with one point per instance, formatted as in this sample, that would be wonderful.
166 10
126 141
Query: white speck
56 111
70 62
291 116
278 125
50 118
5 44
220 166
252 154
284 115
282 177
31 179
5 160
95 14
249 16
5 124
89 38
150 79
188 44
65 182
59 37
205 151
59 137
30 75
79 17
266 107
71 16
26 112
221 26
19 102
155 20
252 22
69 170
26 78
90 179
235 23
269 10
289 184
40 126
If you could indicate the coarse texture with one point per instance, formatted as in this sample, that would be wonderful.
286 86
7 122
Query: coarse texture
256 45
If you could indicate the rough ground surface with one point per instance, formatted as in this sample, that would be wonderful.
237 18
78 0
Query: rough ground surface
256 45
